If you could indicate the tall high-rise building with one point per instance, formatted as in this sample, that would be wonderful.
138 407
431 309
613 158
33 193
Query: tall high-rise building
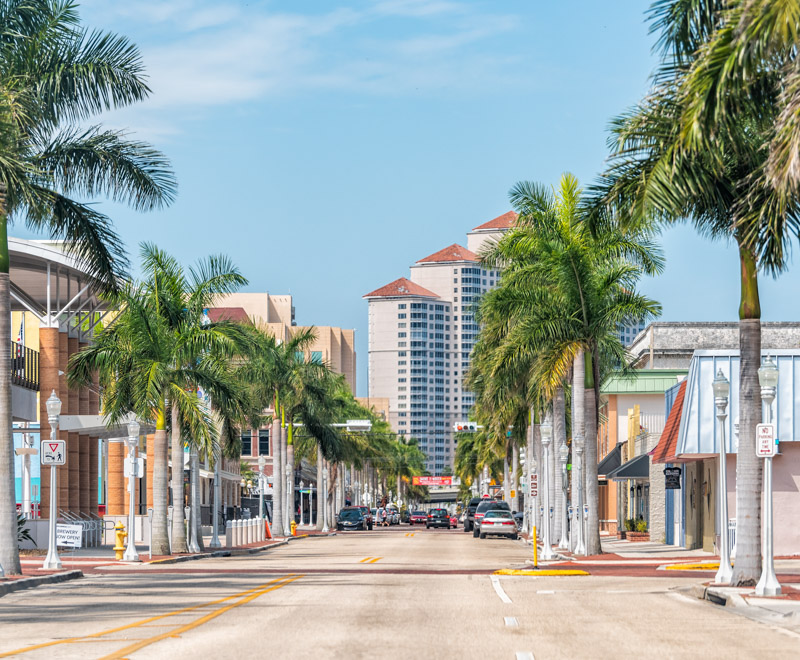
421 334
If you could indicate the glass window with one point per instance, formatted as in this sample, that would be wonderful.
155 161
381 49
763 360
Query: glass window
263 442
401 306
247 444
316 356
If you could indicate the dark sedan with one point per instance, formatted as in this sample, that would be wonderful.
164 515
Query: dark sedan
438 518
351 518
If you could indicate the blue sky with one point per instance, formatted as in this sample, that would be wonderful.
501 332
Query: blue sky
327 146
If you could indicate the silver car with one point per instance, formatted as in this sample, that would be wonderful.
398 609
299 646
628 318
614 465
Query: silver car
498 523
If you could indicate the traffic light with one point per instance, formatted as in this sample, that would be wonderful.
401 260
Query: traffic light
465 427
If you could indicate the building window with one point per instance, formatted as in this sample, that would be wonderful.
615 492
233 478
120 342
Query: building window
316 356
401 306
263 442
247 444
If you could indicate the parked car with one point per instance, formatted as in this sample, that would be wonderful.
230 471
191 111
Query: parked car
418 518
351 518
469 513
497 522
519 518
483 507
453 520
368 515
437 518
404 516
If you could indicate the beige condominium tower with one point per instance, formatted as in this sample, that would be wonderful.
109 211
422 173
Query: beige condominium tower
421 334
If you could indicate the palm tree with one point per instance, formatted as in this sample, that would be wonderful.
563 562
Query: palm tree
566 286
55 75
720 185
156 357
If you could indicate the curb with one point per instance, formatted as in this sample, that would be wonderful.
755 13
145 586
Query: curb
236 552
27 583
717 595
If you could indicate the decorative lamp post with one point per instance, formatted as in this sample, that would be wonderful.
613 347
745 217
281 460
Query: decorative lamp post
533 502
289 495
580 544
215 543
722 388
323 502
768 584
53 561
133 441
262 486
563 452
546 430
302 511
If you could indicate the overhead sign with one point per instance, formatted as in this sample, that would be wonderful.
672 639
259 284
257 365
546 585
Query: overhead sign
766 442
432 481
54 452
672 478
534 484
138 468
69 536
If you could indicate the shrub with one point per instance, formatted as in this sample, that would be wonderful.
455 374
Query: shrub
23 534
630 524
641 526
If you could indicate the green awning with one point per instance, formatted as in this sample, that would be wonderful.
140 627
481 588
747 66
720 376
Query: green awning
636 468
642 381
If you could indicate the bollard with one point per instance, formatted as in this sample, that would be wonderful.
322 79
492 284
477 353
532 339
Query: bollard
237 533
228 534
261 532
249 532
252 530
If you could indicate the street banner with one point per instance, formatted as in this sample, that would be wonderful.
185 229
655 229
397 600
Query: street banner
432 481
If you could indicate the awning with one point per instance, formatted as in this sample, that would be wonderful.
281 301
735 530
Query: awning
636 468
611 462
664 451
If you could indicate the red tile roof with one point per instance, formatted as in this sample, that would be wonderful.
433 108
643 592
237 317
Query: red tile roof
505 221
228 314
664 451
401 288
452 252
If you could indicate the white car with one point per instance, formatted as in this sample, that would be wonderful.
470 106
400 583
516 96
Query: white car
498 523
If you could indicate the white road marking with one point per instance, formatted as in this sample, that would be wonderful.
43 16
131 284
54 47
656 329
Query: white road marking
524 655
511 622
496 584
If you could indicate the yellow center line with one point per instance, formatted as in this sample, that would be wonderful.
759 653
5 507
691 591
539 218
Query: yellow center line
194 624
366 559
136 624
372 561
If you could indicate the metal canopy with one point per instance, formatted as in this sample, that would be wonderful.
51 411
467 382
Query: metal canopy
52 285
636 468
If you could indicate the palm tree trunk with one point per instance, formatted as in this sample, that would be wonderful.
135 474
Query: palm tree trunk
290 462
287 507
277 479
551 487
747 569
9 548
559 438
160 539
578 424
178 525
506 480
320 500
591 393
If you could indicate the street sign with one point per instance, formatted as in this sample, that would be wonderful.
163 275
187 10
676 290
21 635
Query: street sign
432 481
534 484
54 452
766 442
69 535
138 468
672 478
513 493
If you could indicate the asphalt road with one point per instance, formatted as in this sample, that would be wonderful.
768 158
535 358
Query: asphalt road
396 593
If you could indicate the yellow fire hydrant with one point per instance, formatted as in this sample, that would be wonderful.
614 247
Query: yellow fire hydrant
121 536
293 526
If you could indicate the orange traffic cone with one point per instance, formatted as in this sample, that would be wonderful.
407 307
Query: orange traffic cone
269 533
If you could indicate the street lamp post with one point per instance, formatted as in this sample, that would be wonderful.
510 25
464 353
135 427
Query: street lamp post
133 440
580 544
289 493
546 430
302 511
533 502
262 461
53 561
563 543
215 543
721 388
323 502
768 584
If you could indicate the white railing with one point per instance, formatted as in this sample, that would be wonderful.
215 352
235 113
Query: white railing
732 537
